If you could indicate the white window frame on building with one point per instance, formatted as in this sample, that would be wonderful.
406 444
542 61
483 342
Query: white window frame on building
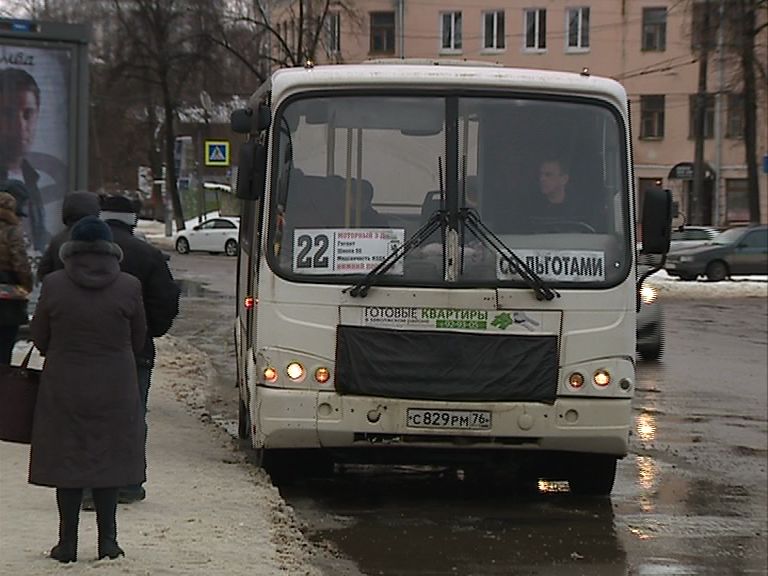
577 29
652 116
654 29
494 31
709 116
450 32
535 32
333 32
384 31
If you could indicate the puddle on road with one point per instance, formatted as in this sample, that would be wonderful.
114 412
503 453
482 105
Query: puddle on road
192 288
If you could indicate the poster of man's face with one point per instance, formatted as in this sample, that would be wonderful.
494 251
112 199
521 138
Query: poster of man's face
34 135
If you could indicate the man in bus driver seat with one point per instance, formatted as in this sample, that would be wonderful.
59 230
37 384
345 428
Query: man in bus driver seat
556 206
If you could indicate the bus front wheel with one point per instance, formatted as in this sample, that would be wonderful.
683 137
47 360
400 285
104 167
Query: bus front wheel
592 474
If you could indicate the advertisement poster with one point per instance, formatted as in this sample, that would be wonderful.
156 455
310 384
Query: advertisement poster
34 135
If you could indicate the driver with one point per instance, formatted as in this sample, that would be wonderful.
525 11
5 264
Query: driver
553 180
556 202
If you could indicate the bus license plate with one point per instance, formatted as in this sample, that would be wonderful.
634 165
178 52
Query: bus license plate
449 419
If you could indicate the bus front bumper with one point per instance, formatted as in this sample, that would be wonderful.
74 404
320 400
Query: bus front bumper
310 419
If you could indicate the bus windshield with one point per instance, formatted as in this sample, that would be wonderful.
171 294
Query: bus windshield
355 176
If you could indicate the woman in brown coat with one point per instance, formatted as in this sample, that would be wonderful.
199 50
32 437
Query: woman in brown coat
88 426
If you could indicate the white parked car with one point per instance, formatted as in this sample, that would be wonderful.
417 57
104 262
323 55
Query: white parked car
213 235
691 236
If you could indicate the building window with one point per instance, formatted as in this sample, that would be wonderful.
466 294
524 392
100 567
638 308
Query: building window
704 25
734 127
451 31
493 30
536 29
333 31
709 116
578 28
654 29
383 32
737 200
652 116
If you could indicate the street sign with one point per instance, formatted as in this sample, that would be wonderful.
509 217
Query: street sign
216 153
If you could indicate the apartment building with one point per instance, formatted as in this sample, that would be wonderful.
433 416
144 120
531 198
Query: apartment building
647 45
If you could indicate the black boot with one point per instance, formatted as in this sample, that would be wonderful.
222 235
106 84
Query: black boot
106 510
68 502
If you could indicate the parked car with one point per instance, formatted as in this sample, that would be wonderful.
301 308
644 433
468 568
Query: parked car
213 235
737 251
690 236
650 323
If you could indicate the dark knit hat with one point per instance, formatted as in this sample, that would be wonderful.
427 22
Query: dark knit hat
91 229
78 205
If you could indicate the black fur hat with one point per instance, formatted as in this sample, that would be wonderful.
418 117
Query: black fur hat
117 204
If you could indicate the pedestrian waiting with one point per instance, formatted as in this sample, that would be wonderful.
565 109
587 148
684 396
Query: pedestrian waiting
88 426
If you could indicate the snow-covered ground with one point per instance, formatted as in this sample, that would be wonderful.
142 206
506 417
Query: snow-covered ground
737 287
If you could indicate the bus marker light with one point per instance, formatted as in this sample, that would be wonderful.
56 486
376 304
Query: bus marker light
295 371
602 377
576 380
249 302
322 375
270 374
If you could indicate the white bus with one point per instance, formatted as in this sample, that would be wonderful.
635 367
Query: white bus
404 293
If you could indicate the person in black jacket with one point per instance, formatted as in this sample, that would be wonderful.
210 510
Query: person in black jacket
160 292
77 205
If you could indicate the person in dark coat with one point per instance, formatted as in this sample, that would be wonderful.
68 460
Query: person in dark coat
160 292
77 205
88 428
15 276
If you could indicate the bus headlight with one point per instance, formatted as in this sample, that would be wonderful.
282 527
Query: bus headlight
602 377
295 371
648 293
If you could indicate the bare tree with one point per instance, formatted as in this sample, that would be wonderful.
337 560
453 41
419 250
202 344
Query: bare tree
262 35
750 19
162 45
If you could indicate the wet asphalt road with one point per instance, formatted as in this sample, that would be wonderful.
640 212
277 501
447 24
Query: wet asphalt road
690 499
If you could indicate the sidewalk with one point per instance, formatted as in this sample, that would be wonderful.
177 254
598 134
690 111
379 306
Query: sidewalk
207 511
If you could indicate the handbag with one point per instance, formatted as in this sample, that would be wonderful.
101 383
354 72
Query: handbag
18 395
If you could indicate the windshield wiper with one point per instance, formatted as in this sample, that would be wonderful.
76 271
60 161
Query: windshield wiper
435 222
482 232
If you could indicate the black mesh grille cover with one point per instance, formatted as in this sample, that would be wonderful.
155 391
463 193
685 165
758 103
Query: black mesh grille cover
438 365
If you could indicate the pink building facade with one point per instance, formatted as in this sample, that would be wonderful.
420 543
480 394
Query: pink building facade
647 45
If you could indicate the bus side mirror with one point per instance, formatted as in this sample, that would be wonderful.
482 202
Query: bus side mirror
657 221
245 121
251 170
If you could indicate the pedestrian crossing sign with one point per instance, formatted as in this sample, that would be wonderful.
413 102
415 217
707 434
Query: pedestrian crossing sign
216 153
